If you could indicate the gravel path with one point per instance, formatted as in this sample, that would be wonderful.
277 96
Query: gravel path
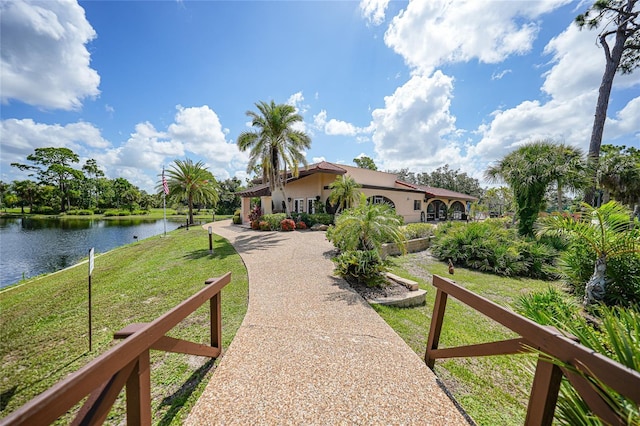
311 350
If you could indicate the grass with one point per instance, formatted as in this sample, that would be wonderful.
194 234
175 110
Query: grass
493 390
201 215
44 331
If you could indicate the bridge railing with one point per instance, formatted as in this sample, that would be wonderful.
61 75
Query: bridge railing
550 343
125 365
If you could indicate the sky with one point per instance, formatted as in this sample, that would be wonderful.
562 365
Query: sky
136 85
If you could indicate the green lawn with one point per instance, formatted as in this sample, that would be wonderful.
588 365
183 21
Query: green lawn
43 325
493 390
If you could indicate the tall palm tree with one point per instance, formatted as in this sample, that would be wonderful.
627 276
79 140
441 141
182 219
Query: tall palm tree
344 192
191 182
274 144
607 229
569 168
529 170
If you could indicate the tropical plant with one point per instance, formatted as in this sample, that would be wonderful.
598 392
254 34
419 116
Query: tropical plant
191 182
616 336
620 18
362 266
490 246
344 192
608 230
366 227
275 145
529 170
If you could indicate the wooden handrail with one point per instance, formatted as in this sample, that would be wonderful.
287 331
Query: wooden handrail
547 340
125 363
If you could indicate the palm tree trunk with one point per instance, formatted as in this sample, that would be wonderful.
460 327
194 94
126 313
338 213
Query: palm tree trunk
190 202
595 288
559 195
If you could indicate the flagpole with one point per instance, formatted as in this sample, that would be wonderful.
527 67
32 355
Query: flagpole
164 202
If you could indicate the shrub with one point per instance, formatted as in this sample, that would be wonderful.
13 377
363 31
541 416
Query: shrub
274 220
44 210
80 212
264 226
363 266
237 220
255 214
255 224
418 230
287 225
490 247
301 225
314 218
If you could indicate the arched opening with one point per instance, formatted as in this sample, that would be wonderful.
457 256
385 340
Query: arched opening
458 211
380 199
437 210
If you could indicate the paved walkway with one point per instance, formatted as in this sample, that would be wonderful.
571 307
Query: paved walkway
311 351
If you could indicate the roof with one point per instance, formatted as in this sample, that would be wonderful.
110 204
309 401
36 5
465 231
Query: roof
438 192
262 189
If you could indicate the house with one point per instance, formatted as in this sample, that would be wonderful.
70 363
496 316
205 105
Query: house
416 203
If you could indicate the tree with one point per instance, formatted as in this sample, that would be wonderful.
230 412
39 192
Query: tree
366 227
26 190
619 174
344 192
365 162
229 202
528 170
453 180
191 182
53 166
607 229
93 174
274 144
569 169
620 19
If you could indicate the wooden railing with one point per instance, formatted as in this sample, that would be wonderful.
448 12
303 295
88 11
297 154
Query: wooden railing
126 364
547 340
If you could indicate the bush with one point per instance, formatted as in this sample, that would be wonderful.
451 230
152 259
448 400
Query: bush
44 210
363 266
80 212
490 247
301 225
312 219
237 220
418 230
274 220
255 214
264 226
287 225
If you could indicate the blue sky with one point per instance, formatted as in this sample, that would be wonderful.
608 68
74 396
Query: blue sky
417 84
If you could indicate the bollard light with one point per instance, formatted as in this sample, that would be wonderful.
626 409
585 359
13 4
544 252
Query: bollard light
210 240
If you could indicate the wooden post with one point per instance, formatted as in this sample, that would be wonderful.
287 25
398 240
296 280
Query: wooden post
139 392
544 393
215 317
439 307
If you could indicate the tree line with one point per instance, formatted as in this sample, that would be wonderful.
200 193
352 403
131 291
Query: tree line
57 184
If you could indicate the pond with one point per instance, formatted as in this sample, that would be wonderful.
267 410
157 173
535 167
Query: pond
30 247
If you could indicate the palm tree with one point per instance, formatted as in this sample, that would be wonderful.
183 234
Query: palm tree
275 145
569 169
344 192
191 182
367 226
608 230
529 170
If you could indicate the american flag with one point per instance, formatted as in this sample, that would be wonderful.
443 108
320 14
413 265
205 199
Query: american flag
165 186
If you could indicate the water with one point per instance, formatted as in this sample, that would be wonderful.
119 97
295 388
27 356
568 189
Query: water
30 247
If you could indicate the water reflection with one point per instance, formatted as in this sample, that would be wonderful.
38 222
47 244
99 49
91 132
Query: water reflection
30 247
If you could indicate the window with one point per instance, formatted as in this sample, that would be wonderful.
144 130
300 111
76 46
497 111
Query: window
417 205
311 208
298 205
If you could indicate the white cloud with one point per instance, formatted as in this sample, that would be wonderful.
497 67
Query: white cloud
412 128
499 74
431 33
334 127
374 10
21 137
44 61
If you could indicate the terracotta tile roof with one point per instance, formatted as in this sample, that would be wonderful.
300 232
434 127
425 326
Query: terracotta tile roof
438 192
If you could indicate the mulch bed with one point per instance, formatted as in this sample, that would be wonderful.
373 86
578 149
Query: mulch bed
369 293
